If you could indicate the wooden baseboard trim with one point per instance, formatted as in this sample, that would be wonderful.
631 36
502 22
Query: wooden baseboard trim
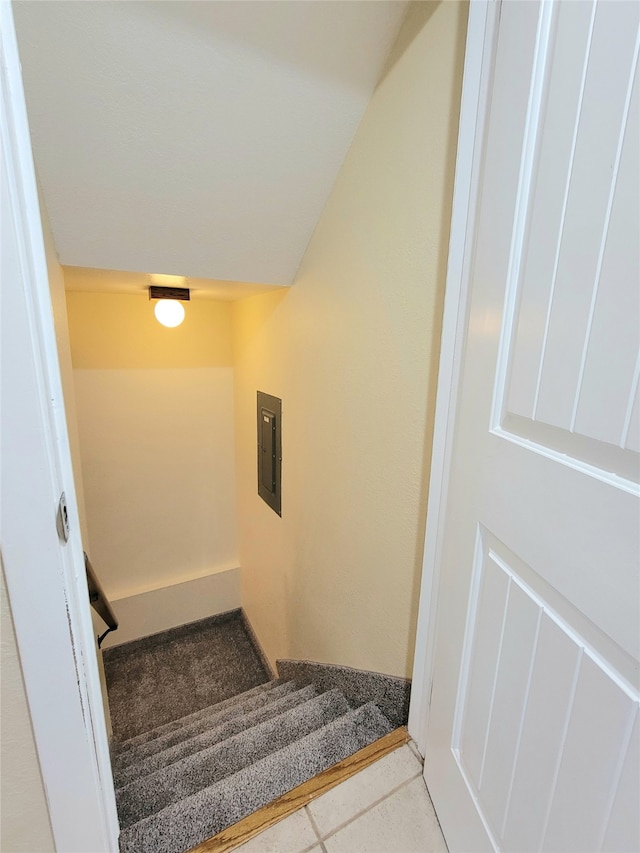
290 802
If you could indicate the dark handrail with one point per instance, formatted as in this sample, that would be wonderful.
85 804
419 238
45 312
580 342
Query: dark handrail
99 600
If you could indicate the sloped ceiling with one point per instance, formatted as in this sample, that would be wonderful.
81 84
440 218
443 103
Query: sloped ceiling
198 139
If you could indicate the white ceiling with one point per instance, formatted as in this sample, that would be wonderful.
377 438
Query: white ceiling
196 138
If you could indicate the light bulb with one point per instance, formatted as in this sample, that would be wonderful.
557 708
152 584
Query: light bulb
169 312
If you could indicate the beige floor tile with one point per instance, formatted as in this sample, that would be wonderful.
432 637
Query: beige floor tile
292 835
349 798
402 823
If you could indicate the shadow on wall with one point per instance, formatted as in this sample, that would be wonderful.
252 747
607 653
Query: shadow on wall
451 146
418 15
250 316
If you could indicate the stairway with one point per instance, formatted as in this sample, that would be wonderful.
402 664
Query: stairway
187 780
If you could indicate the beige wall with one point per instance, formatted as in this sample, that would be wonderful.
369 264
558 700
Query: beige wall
155 417
61 325
352 349
25 822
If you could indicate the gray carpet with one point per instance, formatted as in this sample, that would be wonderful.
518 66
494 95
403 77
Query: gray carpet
203 737
252 750
390 693
167 676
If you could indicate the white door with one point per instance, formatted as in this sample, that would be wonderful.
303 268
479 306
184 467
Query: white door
533 733
45 576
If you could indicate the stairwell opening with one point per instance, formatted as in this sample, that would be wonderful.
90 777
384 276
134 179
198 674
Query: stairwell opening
167 429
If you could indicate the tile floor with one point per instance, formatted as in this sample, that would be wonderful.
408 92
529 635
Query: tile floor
383 809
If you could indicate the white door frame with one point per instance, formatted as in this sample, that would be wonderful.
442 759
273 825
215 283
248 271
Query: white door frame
47 588
474 110
90 738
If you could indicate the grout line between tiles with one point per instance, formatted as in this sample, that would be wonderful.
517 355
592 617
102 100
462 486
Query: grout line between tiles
414 749
311 846
313 823
370 807
426 787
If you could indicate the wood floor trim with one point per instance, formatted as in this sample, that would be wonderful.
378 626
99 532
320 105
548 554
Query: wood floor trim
290 802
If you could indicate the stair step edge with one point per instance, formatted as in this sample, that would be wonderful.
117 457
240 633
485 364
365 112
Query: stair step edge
120 746
275 811
185 777
183 825
207 716
210 737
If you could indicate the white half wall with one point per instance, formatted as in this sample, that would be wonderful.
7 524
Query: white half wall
170 606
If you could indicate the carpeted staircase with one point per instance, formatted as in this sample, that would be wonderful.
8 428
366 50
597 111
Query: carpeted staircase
186 780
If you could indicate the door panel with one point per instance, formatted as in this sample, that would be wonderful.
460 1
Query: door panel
532 740
539 709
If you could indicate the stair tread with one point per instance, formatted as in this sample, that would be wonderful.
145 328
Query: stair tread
120 747
196 723
215 734
185 823
186 776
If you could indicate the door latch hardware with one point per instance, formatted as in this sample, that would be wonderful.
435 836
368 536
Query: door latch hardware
63 519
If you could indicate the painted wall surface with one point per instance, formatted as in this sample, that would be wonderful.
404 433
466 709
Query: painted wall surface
352 350
171 606
155 417
61 325
25 822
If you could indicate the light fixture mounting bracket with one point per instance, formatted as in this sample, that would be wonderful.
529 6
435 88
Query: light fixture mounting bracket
157 292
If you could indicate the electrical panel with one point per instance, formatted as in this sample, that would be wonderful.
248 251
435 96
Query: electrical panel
270 450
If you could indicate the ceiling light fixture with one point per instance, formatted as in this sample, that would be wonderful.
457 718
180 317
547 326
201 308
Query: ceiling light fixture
169 309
